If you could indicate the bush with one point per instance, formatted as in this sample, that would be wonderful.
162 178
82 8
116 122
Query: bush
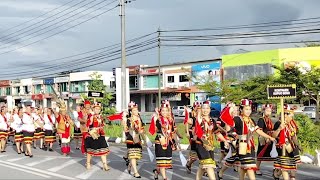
309 133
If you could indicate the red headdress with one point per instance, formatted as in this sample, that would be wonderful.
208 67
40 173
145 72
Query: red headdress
227 114
132 105
246 102
87 102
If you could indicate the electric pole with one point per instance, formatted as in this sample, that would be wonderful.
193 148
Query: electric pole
123 57
159 68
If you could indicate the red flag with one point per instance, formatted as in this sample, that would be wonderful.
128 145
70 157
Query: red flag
115 117
152 127
226 117
282 137
198 130
186 118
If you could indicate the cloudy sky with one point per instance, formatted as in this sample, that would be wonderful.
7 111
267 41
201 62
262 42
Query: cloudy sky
142 17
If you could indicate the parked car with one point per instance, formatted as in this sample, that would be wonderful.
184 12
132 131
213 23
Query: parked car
182 112
310 111
176 110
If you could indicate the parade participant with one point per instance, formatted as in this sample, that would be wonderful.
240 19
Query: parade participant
77 135
265 146
49 129
286 135
190 127
38 123
205 129
9 117
83 117
17 126
161 124
28 130
133 130
244 126
64 124
95 141
4 127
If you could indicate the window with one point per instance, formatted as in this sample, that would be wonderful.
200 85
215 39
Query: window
78 86
37 89
133 82
151 81
16 90
170 79
48 89
8 91
25 90
183 78
63 87
112 84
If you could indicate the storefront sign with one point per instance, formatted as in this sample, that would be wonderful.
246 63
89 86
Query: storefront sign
171 97
37 97
75 96
4 83
37 81
281 91
95 94
134 70
203 73
61 79
48 81
149 71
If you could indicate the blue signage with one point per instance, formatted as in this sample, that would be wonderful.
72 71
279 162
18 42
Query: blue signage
48 81
203 67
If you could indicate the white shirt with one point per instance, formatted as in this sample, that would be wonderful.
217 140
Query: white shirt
28 123
3 124
37 118
17 123
76 120
47 124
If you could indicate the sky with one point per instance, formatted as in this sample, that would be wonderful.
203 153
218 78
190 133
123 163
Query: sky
142 17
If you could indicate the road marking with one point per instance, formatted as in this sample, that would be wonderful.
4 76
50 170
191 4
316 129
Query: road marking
39 162
3 156
23 170
36 170
68 163
17 159
90 172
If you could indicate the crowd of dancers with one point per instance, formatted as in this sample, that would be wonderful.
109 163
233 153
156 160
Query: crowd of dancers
234 129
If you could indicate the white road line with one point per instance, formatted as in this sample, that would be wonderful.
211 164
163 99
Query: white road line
26 171
39 162
3 155
68 163
90 172
17 159
36 170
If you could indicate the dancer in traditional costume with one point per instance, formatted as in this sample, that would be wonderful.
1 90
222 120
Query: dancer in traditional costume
134 131
4 127
17 126
205 129
77 135
244 126
163 126
28 130
49 129
9 117
95 141
83 116
287 147
65 123
265 145
39 123
190 128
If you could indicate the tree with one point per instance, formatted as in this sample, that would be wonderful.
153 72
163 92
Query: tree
97 85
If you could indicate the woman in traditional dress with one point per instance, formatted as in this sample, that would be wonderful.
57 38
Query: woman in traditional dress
49 129
95 141
133 130
190 127
244 126
28 130
77 135
4 127
287 147
265 145
9 117
64 125
17 126
205 129
162 124
38 122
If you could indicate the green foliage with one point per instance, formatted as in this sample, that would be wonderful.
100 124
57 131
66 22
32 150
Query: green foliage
309 133
97 85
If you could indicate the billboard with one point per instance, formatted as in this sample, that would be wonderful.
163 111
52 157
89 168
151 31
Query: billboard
203 72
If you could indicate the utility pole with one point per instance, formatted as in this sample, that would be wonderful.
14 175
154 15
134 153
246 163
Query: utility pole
123 56
159 66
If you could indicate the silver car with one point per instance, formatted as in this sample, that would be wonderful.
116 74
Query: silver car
310 111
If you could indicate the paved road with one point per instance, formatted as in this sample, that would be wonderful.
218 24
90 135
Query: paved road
52 165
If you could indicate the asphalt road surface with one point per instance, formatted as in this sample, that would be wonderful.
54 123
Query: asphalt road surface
52 165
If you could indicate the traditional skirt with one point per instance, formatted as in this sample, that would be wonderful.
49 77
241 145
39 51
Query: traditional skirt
38 134
263 153
11 132
289 161
163 156
134 149
3 135
28 137
77 133
234 159
18 137
206 157
96 147
49 136
193 156
248 161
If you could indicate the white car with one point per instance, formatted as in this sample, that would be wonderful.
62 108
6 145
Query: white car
310 111
176 110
